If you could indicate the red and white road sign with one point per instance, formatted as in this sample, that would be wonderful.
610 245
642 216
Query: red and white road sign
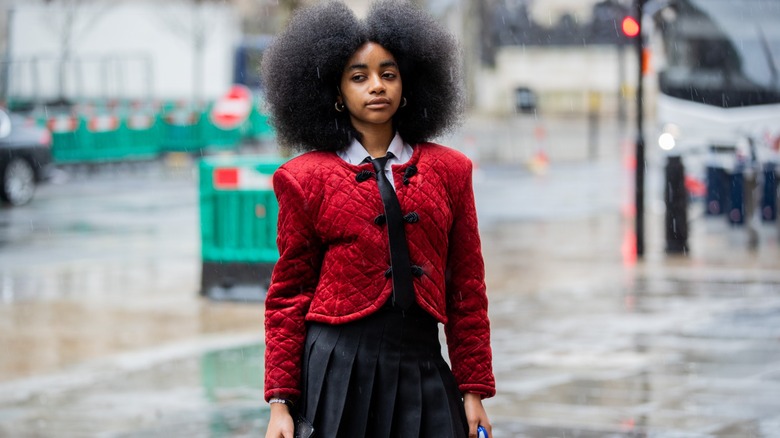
232 109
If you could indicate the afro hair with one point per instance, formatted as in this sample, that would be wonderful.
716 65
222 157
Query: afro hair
302 70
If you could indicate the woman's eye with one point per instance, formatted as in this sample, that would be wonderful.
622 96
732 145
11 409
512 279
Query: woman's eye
390 75
358 78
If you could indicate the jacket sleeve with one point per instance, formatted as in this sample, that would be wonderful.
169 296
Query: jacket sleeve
293 282
467 328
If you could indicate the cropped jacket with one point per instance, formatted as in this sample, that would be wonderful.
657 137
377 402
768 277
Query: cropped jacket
334 257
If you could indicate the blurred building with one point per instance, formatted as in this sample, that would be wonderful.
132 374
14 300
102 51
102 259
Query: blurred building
571 54
566 51
71 50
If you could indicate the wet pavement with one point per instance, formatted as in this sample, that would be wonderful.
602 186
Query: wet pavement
104 334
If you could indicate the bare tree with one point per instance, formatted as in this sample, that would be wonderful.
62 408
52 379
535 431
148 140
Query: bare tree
70 20
194 28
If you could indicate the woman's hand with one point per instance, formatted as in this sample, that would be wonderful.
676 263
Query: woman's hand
280 425
475 414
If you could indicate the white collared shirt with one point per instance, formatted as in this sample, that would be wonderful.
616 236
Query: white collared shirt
356 153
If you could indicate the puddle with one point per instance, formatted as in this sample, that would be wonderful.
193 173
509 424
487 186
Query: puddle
217 394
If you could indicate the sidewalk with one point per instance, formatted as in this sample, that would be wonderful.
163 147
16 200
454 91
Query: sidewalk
591 342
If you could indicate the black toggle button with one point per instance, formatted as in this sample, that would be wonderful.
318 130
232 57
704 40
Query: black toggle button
380 220
410 172
363 175
417 271
389 272
412 217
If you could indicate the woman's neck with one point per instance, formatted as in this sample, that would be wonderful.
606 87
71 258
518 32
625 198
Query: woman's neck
376 141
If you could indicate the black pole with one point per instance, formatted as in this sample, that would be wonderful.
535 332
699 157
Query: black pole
621 56
640 139
676 200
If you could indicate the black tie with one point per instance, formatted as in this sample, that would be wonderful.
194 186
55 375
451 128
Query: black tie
403 288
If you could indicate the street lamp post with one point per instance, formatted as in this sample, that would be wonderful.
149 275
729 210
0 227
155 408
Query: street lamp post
675 193
640 139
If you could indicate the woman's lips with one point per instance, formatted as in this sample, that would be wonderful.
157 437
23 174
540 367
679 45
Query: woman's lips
378 103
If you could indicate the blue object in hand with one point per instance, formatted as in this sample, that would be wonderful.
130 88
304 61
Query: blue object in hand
482 432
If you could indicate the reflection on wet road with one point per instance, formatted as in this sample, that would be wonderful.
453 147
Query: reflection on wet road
105 262
106 334
668 349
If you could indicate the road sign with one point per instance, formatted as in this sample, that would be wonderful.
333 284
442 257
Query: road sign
233 109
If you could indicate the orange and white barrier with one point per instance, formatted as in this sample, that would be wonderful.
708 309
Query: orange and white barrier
62 124
182 117
103 123
139 122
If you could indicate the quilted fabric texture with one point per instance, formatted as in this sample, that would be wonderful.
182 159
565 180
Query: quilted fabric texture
334 255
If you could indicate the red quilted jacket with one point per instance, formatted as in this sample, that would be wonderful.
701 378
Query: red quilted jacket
333 255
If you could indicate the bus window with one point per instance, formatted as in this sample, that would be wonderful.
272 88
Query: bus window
721 52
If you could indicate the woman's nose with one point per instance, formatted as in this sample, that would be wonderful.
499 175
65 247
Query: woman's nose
377 86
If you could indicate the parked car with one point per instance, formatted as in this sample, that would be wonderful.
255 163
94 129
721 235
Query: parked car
25 157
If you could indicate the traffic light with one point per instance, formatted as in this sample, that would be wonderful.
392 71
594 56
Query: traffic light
630 26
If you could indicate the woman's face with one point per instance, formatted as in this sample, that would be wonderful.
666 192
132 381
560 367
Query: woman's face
371 87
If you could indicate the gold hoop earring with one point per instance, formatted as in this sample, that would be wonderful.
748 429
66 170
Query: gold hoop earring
403 103
340 107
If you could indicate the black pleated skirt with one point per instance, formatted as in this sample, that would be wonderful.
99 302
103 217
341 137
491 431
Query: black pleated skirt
381 376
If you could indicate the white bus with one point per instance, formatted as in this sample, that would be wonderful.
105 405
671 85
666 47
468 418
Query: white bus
718 66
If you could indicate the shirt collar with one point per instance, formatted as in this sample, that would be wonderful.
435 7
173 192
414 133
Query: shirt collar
397 148
355 153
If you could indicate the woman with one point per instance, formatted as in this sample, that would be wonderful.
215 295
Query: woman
377 234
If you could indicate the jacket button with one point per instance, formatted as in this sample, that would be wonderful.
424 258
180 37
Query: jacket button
363 175
412 217
410 172
417 271
380 220
389 272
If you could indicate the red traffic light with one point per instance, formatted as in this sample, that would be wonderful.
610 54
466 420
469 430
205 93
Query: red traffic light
630 27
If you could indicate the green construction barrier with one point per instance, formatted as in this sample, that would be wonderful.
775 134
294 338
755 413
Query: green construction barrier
238 216
66 135
140 138
216 138
181 130
101 140
192 130
257 126
105 137
99 133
